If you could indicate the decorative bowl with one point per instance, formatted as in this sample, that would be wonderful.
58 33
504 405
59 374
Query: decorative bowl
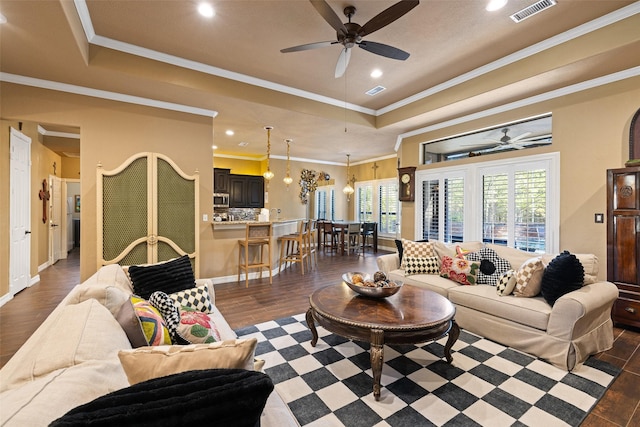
370 291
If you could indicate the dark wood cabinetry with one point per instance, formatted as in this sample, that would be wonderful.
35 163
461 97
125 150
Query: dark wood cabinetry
623 242
221 180
246 191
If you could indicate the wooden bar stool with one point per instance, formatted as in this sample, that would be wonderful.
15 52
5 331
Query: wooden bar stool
312 244
258 236
292 246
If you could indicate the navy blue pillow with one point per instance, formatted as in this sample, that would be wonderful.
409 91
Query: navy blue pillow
564 274
169 277
223 397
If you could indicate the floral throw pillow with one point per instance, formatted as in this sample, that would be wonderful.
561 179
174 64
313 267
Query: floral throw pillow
460 270
197 327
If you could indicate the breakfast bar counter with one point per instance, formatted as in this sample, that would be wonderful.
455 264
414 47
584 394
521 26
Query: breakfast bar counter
223 257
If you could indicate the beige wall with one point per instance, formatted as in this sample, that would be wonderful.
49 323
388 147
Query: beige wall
591 133
70 167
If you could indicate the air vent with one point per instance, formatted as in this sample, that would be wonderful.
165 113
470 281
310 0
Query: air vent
532 10
243 144
376 90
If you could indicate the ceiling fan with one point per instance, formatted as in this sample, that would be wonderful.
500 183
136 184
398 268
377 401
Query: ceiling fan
350 34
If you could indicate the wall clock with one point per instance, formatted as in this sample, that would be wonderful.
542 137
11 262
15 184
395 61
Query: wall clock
406 185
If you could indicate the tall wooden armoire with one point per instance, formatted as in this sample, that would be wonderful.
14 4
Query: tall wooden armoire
623 242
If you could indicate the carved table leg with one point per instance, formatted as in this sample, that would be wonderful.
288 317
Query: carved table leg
312 327
377 358
454 333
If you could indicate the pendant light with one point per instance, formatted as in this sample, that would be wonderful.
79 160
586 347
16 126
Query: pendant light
287 179
348 189
268 174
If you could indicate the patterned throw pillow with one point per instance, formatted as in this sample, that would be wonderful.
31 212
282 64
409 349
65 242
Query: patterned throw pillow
196 298
460 270
429 265
416 250
506 283
529 278
165 305
197 327
153 326
491 265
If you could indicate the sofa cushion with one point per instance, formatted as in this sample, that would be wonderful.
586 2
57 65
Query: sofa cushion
532 312
431 282
562 275
416 250
153 326
169 277
212 397
492 266
450 249
75 334
196 298
589 264
112 275
196 327
506 283
145 363
109 295
427 265
529 278
39 402
460 270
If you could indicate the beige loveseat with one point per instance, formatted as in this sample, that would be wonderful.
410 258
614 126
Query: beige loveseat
72 358
579 323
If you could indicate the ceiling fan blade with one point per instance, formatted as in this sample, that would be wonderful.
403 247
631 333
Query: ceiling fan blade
519 137
384 50
343 61
387 16
308 46
329 15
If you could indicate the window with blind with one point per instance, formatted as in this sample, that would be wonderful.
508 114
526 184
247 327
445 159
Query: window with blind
510 202
443 201
325 203
377 201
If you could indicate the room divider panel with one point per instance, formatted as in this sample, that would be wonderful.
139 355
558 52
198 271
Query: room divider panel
147 212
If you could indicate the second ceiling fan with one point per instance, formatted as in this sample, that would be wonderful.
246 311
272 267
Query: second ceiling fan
350 34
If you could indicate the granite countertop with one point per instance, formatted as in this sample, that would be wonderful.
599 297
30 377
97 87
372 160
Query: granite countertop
237 223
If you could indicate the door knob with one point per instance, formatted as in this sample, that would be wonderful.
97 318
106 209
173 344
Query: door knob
27 232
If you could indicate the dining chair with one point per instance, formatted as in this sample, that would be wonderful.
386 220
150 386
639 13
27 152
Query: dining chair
329 236
256 236
368 230
352 236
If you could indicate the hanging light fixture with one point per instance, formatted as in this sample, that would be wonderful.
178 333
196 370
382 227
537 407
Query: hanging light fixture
348 189
268 174
287 179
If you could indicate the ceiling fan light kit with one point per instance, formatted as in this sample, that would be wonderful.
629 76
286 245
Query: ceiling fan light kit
350 34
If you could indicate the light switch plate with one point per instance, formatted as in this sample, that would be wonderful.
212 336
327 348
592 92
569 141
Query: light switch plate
599 218
205 217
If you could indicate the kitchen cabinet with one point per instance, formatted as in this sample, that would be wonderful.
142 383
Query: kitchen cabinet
221 180
623 242
246 191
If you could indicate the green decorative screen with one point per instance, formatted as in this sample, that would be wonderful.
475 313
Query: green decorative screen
176 210
124 212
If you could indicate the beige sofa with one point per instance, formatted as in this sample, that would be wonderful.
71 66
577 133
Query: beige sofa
72 358
579 323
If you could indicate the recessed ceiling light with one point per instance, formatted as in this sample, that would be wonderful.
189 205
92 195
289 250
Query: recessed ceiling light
206 10
376 73
229 132
3 19
215 147
243 144
496 5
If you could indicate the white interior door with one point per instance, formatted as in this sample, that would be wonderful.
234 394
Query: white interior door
20 212
55 230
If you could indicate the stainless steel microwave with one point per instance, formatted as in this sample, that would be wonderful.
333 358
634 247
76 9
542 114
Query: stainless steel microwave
220 200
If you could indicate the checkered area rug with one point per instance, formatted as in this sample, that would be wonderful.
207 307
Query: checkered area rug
486 385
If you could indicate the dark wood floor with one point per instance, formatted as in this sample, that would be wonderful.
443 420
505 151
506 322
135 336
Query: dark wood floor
288 295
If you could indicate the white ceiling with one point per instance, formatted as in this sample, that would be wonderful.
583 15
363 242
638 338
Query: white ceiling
463 61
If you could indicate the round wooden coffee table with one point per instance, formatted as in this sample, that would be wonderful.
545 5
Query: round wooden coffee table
413 315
